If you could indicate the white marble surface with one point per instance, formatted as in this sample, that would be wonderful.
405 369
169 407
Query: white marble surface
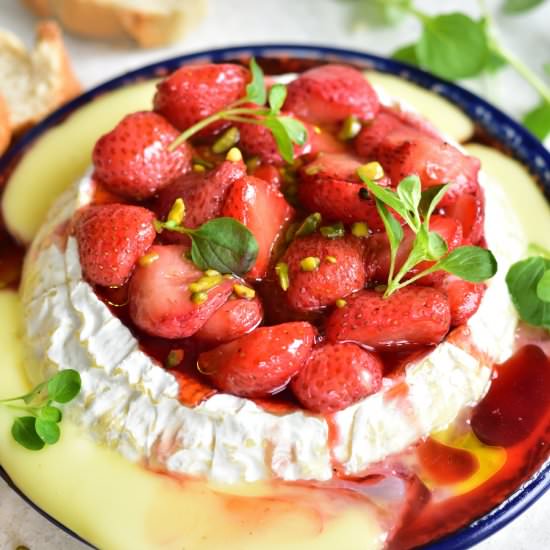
301 21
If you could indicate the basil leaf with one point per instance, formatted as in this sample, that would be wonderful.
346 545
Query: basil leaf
255 90
538 120
277 96
282 139
394 232
543 287
517 6
430 198
294 128
64 386
223 244
495 62
522 280
453 46
47 430
387 196
436 246
406 54
51 414
470 263
23 431
409 191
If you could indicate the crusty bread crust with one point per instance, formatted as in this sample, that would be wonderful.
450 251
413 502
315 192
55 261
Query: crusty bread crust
5 125
34 83
161 24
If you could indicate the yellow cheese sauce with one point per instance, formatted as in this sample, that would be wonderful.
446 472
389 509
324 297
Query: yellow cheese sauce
115 504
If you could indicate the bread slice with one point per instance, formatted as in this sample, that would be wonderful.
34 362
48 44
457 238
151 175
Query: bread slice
149 22
34 83
5 125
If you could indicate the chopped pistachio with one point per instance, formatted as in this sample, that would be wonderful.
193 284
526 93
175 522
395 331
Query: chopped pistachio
243 291
309 225
211 272
199 298
371 171
334 231
205 283
311 263
198 168
174 358
148 259
201 162
350 128
159 228
227 276
227 140
380 288
317 130
360 229
331 259
177 212
252 163
234 155
340 303
312 170
281 269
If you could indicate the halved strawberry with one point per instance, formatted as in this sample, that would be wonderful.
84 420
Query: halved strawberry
464 298
330 93
340 270
235 318
469 210
202 193
160 300
269 173
264 210
195 92
336 376
133 159
111 238
261 363
412 316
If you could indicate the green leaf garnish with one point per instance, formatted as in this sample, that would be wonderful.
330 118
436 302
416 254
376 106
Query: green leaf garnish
51 414
523 280
47 430
517 6
538 120
406 54
23 430
285 130
471 263
64 386
543 287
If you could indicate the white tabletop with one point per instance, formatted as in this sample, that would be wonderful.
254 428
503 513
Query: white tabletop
307 22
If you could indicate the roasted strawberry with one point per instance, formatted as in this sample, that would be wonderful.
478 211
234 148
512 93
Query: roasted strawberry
161 302
237 317
261 363
264 210
412 316
469 210
195 92
336 376
133 159
269 173
321 270
330 93
202 193
334 166
464 298
111 238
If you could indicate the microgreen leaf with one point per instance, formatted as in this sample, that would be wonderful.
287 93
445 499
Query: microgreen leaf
387 196
547 68
51 414
377 12
543 287
394 232
522 280
406 54
23 431
47 431
471 263
495 62
277 96
453 46
282 139
538 120
37 395
255 90
436 246
409 191
295 129
517 6
430 198
225 245
64 386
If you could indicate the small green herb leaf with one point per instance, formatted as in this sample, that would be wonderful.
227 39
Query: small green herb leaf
295 129
406 54
23 431
543 287
255 90
277 96
538 120
409 191
38 395
517 6
51 414
495 62
377 12
282 139
225 245
64 386
394 232
47 430
453 46
436 246
387 196
470 263
547 68
430 199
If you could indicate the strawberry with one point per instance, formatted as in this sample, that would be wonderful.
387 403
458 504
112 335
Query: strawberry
235 318
464 298
111 238
202 193
264 210
133 159
261 363
412 316
329 281
258 141
160 300
335 166
336 376
195 92
469 210
330 93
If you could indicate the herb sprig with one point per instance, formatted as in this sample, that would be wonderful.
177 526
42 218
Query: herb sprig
455 46
416 207
286 130
40 425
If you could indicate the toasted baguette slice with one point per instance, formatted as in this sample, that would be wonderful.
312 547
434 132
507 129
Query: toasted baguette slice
33 83
5 125
149 22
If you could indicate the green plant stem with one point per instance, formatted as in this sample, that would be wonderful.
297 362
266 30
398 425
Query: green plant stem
28 410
